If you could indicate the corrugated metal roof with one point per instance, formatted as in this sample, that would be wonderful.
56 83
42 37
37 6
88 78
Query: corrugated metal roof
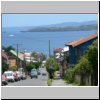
82 40
20 56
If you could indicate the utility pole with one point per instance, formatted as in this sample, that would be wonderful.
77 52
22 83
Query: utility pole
49 49
17 50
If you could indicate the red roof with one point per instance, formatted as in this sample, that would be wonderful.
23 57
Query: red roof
4 55
82 40
58 50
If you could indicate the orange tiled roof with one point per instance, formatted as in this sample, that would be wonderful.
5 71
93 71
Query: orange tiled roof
58 50
82 40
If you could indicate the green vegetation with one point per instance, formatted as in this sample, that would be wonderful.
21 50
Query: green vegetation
14 68
7 49
5 67
51 66
70 75
92 56
49 82
64 28
86 67
32 65
82 68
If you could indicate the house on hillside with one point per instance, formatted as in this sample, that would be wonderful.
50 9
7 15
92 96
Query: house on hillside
60 54
57 52
12 60
29 58
4 57
78 47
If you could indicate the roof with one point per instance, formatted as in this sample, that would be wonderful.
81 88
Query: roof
4 55
82 40
20 56
58 50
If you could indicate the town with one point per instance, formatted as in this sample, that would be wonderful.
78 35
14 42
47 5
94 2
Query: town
76 64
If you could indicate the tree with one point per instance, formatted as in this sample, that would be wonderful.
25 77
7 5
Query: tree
43 57
5 67
83 69
29 67
51 66
92 56
7 50
36 64
88 64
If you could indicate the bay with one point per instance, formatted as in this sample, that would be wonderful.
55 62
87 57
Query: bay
39 41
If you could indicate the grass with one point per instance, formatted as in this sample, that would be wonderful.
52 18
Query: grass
49 82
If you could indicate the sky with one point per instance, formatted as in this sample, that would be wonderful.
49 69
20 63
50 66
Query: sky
21 20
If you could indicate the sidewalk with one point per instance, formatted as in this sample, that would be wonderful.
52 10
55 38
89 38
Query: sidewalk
58 82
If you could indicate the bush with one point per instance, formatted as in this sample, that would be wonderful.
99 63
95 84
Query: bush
49 82
52 62
14 68
5 67
51 66
70 76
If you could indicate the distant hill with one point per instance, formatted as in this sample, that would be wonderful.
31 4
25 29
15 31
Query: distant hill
67 26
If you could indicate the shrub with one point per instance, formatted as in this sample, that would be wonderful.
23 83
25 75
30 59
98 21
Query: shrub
14 68
70 75
52 66
30 66
5 67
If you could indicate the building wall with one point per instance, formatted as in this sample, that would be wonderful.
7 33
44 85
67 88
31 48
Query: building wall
76 52
12 62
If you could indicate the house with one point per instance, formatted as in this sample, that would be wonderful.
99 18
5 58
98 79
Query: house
4 57
28 57
78 47
59 54
12 60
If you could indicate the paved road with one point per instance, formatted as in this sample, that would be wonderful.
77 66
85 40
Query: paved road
40 81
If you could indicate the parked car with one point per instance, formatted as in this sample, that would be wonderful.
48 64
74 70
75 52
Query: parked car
4 80
44 73
39 72
34 73
19 75
15 76
23 76
9 75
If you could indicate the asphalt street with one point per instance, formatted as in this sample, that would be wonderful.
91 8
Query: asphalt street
40 81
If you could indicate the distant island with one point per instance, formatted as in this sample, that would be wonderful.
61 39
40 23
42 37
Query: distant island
68 26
